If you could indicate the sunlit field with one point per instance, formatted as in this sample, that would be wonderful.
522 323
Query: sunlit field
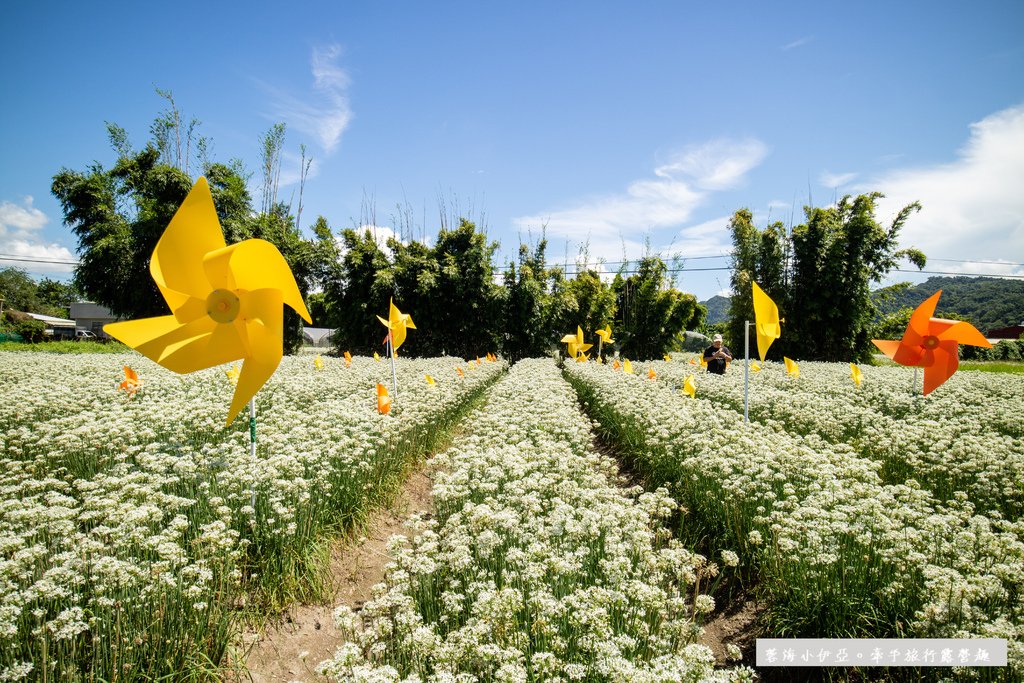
138 533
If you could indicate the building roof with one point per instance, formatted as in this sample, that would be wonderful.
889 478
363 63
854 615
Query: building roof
317 334
52 321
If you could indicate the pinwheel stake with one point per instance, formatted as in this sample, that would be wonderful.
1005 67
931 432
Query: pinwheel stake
746 370
397 324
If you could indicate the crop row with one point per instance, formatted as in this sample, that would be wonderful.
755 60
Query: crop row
838 553
132 529
537 564
966 436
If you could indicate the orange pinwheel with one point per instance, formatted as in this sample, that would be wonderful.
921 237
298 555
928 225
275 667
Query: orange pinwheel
348 359
616 365
694 361
383 400
932 343
460 372
131 382
651 374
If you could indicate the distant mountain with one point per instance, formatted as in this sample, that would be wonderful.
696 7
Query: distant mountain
986 302
718 309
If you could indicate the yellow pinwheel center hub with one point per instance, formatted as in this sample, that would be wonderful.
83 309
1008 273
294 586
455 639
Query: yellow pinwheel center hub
223 305
930 342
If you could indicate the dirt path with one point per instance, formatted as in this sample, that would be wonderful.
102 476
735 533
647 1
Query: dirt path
292 649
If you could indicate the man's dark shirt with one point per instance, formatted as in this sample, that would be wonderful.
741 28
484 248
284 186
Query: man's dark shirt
716 365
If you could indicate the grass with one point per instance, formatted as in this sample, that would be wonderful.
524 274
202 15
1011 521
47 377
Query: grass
1013 367
65 347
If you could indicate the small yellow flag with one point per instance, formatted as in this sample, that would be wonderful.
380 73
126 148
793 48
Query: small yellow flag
430 380
856 374
690 387
376 356
627 366
792 369
318 362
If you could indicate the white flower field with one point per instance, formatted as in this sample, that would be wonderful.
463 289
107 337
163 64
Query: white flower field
135 532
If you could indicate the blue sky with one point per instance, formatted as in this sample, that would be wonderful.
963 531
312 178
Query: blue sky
614 126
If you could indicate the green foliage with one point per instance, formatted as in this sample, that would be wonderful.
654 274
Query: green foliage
64 347
448 289
987 303
761 256
19 291
118 215
819 276
527 315
650 313
1006 350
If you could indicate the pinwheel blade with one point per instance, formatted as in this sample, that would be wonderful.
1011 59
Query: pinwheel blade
177 263
944 364
690 387
964 333
887 346
223 344
254 264
262 314
920 319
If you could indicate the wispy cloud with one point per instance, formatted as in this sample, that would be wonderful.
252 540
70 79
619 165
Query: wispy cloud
834 180
325 113
616 223
20 227
973 207
799 42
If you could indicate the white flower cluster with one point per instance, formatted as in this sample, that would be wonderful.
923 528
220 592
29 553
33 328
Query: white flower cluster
967 435
537 565
839 551
129 525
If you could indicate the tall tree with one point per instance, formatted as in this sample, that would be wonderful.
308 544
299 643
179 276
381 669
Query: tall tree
651 314
760 256
819 276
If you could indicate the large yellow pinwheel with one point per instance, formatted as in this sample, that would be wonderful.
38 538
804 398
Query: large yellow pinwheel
397 324
225 301
766 321
575 344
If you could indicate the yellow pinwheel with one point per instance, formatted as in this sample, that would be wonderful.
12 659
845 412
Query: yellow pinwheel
575 344
397 324
755 366
792 369
690 387
668 358
318 362
430 380
605 335
225 301
766 321
855 374
627 367
376 356
233 373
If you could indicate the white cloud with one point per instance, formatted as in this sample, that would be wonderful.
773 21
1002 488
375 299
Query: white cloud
798 43
20 226
327 113
20 220
610 224
973 207
834 180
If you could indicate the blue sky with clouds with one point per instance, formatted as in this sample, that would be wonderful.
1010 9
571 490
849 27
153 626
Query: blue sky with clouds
605 124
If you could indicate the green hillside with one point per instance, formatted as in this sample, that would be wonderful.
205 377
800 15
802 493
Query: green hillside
987 303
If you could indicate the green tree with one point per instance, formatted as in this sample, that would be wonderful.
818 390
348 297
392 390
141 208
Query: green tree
651 314
837 254
57 296
361 290
18 290
819 276
527 321
586 301
758 256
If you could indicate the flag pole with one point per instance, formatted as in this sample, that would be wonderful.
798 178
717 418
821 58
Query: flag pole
746 371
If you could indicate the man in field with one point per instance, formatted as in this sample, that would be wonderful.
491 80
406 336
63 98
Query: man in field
716 356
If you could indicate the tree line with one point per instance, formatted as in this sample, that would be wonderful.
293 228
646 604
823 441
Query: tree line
819 272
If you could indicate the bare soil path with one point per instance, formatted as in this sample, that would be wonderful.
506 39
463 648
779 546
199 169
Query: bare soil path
291 649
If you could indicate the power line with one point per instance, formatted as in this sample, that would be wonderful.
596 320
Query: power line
11 257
